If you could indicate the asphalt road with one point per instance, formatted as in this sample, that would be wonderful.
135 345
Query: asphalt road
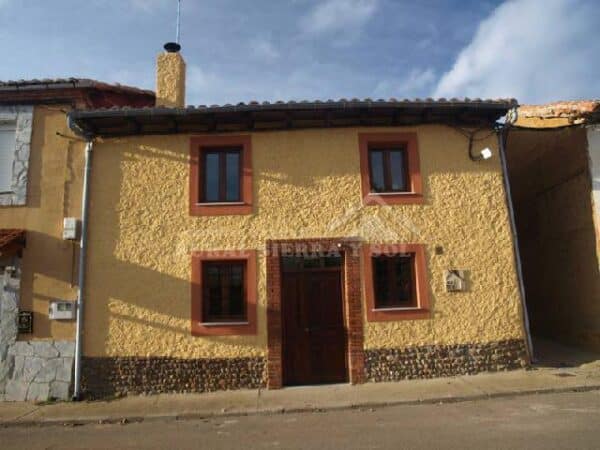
549 421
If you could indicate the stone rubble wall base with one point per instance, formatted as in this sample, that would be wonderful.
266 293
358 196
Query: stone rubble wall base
434 361
119 376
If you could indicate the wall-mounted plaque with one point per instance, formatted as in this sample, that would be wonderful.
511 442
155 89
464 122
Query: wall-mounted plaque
25 322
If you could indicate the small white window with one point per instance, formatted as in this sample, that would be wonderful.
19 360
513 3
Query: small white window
7 154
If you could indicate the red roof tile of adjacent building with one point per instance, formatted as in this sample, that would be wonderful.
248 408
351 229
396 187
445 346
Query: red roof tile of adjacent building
574 111
11 240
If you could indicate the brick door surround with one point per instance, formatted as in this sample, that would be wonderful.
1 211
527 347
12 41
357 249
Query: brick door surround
350 249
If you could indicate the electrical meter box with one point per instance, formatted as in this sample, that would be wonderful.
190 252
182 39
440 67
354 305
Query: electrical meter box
62 310
455 280
70 228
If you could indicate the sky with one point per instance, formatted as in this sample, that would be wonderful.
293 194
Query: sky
240 50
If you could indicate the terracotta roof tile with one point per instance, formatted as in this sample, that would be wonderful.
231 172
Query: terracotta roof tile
572 110
66 83
11 239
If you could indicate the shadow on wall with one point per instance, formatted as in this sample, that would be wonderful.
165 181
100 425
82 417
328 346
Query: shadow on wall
135 310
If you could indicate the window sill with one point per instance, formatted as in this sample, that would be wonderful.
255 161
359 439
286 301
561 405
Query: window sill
399 308
395 314
393 193
223 324
220 209
220 203
393 198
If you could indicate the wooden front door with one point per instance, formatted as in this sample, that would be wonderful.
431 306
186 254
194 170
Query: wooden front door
314 337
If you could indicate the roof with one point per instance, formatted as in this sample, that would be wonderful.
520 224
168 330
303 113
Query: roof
68 83
258 116
80 92
11 240
565 112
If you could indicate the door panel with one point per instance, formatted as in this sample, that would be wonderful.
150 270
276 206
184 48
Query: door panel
314 338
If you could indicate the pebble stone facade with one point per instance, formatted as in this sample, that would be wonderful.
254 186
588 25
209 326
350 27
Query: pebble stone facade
444 360
106 377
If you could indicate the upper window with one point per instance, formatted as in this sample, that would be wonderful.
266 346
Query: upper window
387 167
224 293
220 175
390 168
7 154
396 282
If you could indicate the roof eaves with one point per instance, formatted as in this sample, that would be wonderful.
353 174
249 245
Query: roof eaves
496 104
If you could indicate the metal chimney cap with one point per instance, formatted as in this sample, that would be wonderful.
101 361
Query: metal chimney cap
172 47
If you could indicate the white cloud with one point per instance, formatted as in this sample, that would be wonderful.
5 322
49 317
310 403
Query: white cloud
418 82
151 5
534 50
335 15
264 49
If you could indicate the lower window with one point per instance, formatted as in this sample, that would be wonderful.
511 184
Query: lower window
224 292
396 282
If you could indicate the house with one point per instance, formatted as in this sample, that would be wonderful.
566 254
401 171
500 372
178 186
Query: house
553 154
280 244
41 169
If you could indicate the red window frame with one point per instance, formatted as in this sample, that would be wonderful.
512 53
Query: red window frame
199 146
201 327
414 185
421 308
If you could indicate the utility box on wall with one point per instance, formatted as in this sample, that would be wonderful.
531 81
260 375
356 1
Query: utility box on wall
455 280
70 228
62 310
25 322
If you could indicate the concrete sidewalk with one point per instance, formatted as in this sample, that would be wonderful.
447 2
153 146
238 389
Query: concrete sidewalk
312 398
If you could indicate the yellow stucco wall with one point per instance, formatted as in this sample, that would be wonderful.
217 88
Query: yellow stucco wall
306 184
170 80
49 265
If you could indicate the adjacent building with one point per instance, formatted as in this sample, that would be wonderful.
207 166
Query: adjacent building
41 169
553 154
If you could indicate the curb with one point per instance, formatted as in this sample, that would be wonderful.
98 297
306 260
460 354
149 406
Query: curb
273 411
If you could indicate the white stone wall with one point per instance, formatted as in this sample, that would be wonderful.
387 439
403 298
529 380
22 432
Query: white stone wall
41 370
9 307
23 116
29 370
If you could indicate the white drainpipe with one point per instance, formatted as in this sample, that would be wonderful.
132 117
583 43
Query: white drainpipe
82 265
513 226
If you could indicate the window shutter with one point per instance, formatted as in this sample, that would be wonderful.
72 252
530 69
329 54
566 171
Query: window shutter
7 152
